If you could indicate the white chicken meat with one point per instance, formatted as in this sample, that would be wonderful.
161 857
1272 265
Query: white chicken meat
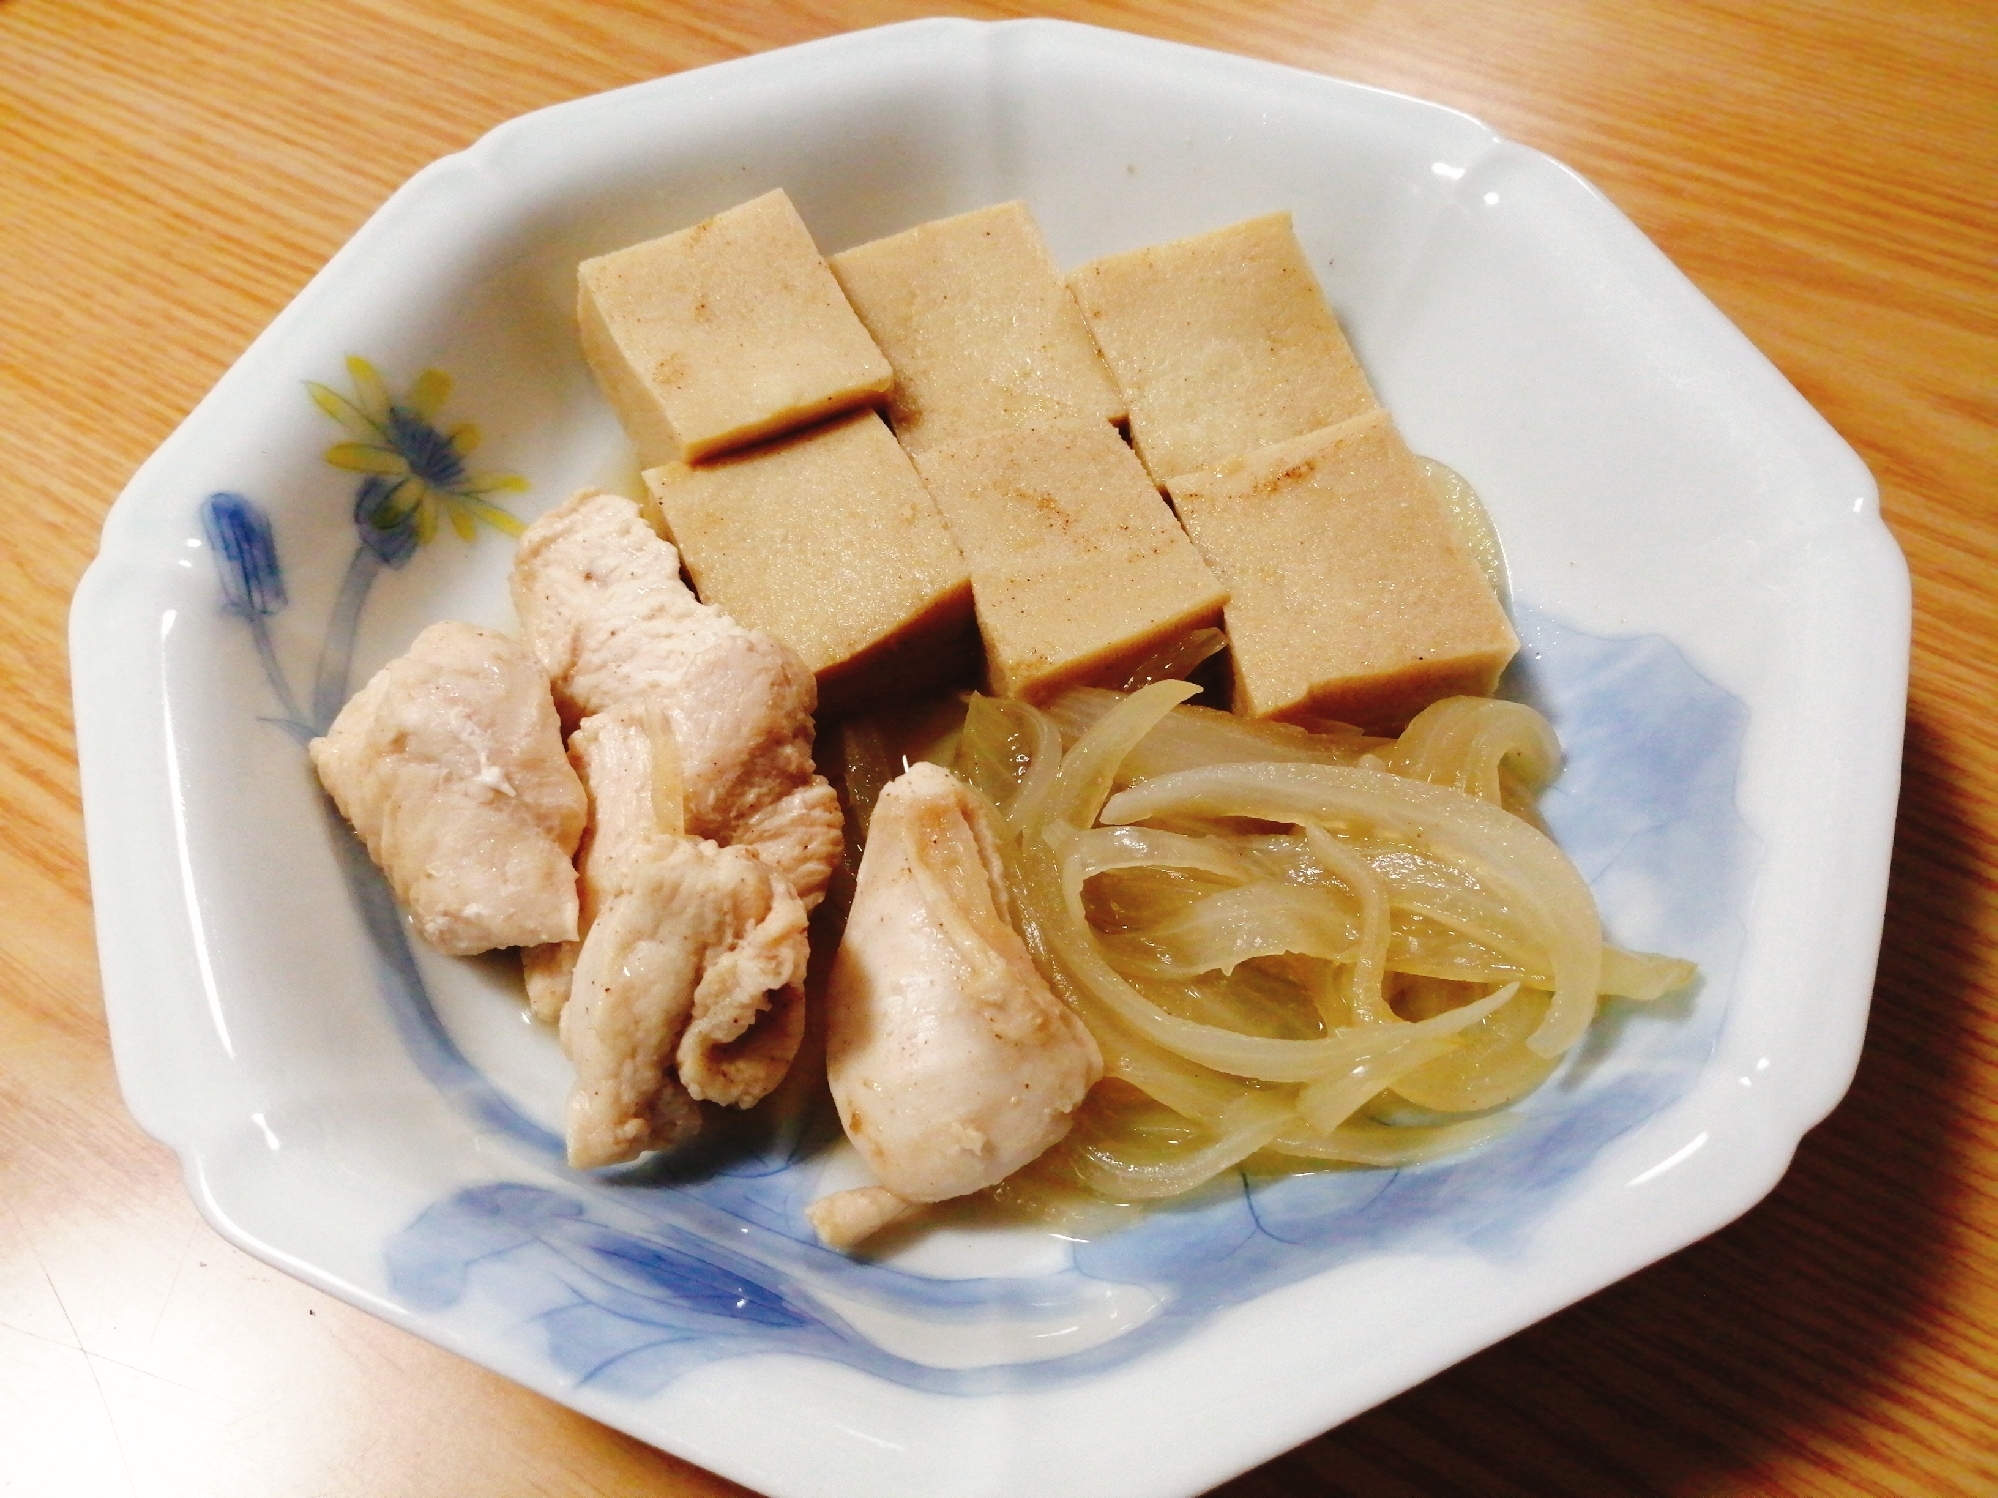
613 755
688 986
449 765
951 1062
603 606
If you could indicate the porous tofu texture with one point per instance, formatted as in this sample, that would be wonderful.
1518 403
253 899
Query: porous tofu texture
1077 566
723 333
1351 595
829 541
1222 343
978 326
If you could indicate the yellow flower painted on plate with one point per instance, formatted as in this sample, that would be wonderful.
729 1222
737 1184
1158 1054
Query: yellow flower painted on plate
414 470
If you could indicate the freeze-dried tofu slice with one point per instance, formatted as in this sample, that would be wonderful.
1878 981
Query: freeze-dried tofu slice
978 327
723 333
1223 343
1077 566
1351 593
828 540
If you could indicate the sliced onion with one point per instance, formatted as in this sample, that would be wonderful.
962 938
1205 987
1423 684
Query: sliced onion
1178 660
1190 737
1089 769
1219 932
1074 946
1364 1143
1462 742
1114 1170
1644 975
1364 991
1102 849
866 767
1407 861
1330 1101
1010 752
1506 855
1434 893
1490 1067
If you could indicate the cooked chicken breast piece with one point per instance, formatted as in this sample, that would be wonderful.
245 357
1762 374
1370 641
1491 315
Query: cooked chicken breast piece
687 987
612 754
449 764
549 971
846 1219
602 604
951 1061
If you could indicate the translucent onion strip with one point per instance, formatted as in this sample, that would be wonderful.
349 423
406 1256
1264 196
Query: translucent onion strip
866 766
1198 1092
1429 949
1506 855
1110 1167
1463 741
1330 1101
1010 753
1418 886
1365 1143
1254 1000
1220 932
1488 1068
1474 916
1241 981
1071 942
1089 769
1104 849
1178 660
1644 975
1190 737
1363 981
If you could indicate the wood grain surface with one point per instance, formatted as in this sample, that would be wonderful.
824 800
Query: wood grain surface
172 171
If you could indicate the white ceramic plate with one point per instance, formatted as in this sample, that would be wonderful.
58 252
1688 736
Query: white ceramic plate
1716 619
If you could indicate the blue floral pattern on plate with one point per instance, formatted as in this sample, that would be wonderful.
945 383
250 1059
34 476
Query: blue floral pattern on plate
628 1278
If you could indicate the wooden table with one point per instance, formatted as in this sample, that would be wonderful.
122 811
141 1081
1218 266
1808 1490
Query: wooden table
171 172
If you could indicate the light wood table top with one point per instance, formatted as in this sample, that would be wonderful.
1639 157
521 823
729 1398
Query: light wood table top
172 172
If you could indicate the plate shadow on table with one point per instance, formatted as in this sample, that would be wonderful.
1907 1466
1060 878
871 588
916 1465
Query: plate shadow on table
1785 1323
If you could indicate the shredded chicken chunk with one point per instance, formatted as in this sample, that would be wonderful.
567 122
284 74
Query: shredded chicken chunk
613 755
688 986
449 765
601 600
846 1219
951 1062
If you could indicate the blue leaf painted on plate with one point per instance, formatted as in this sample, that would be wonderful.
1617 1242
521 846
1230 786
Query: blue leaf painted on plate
428 1263
682 1281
